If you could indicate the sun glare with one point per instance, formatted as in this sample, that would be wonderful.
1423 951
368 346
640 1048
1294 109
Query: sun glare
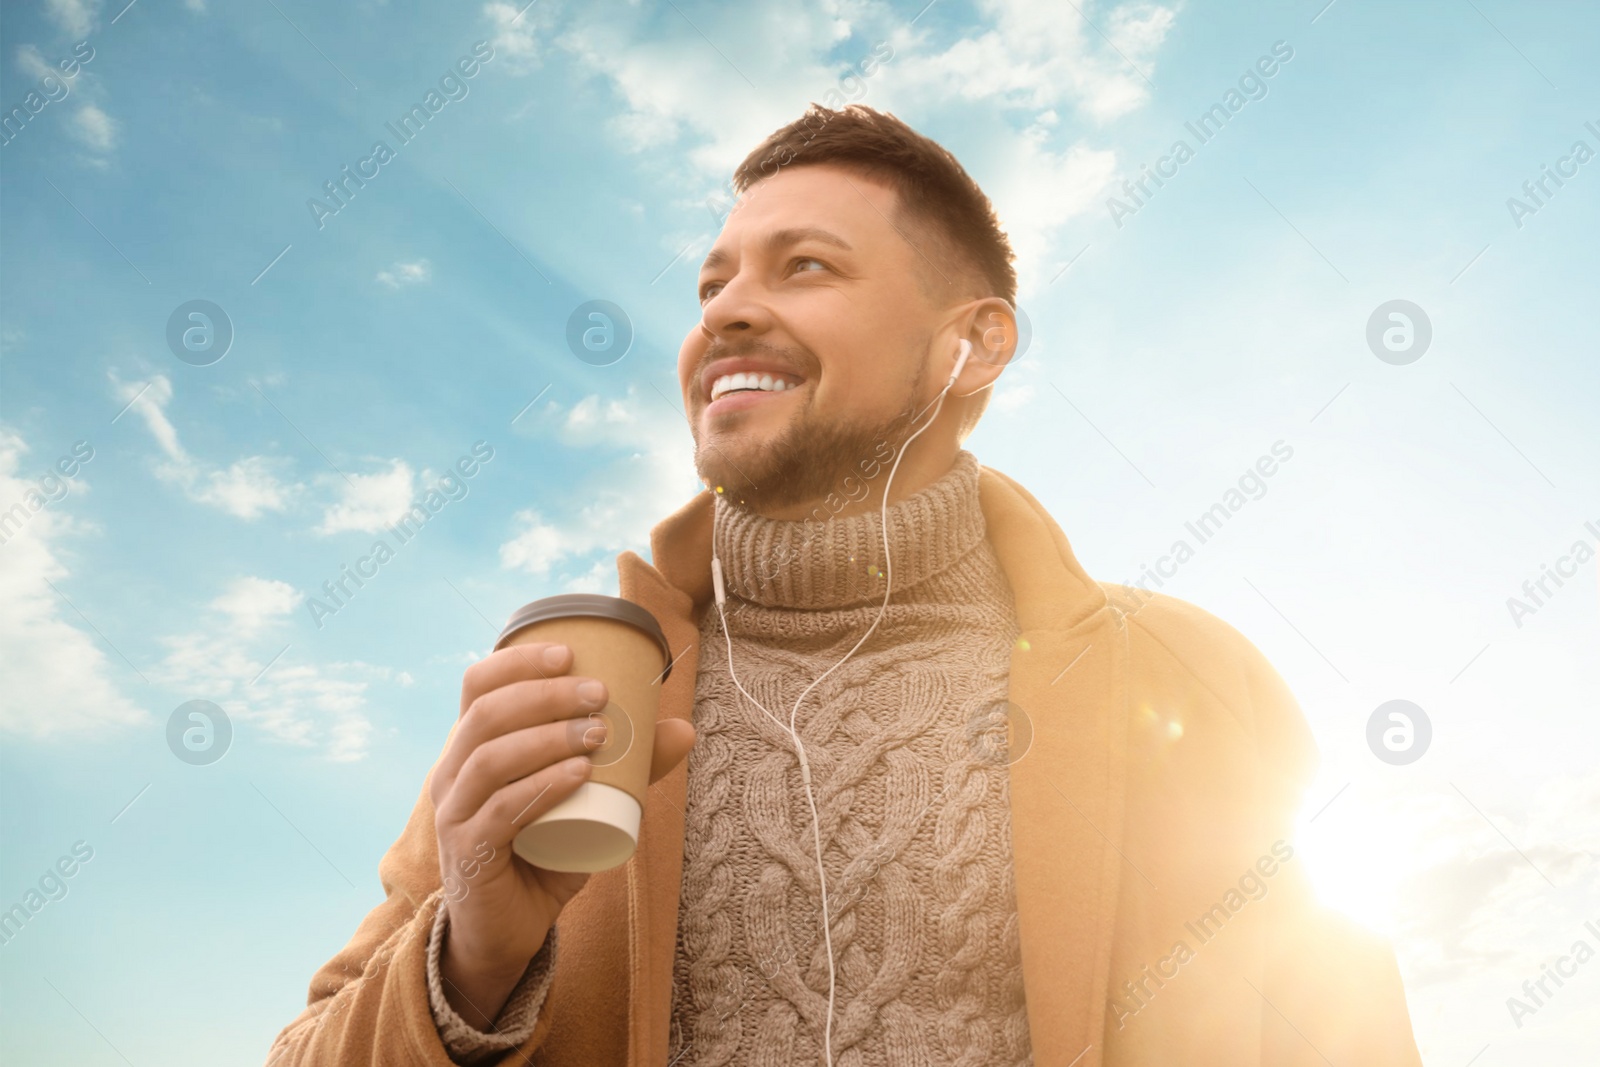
1356 851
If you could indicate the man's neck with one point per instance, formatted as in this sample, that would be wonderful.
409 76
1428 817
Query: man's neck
828 561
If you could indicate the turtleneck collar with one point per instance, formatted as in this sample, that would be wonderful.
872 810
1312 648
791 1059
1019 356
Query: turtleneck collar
835 563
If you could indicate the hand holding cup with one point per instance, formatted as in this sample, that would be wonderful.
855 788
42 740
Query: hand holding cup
521 748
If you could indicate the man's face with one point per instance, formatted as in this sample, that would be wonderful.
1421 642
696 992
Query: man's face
810 286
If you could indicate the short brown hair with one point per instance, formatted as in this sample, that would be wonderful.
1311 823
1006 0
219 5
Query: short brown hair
947 218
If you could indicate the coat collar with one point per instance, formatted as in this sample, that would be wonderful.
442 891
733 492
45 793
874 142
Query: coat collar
1068 698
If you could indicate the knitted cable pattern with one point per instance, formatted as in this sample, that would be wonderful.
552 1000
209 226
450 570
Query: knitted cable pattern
910 789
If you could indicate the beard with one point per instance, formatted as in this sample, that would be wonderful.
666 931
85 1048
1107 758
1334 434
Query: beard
807 460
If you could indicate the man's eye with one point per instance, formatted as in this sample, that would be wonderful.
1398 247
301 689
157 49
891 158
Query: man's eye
710 289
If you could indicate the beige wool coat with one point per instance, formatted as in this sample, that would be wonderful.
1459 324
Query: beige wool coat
1153 805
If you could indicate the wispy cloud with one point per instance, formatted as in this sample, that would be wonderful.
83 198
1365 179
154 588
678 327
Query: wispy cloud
1010 397
1037 190
96 129
246 488
89 123
63 680
75 17
648 473
33 64
1046 62
1020 54
403 273
240 655
1462 900
517 32
1042 56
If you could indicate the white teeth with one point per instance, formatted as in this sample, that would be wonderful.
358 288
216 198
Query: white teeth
729 383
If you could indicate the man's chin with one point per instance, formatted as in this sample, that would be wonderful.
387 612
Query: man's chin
736 463
799 464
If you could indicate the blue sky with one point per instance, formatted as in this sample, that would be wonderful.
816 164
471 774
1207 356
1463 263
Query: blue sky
1173 346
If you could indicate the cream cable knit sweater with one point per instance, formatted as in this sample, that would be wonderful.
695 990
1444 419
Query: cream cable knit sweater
906 747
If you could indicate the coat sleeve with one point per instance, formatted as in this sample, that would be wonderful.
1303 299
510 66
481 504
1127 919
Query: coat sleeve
1334 994
369 1005
1332 990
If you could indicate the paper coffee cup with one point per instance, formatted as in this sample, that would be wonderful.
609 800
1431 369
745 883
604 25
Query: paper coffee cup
620 643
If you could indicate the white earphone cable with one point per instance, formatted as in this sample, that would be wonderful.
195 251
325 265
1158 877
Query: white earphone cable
720 596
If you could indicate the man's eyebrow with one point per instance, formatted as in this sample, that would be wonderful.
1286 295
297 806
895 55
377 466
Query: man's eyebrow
780 239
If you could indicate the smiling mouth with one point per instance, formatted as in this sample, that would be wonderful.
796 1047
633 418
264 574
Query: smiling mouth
740 399
751 382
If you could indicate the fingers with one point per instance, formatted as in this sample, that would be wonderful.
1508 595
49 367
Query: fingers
521 716
518 803
514 706
514 663
513 757
674 739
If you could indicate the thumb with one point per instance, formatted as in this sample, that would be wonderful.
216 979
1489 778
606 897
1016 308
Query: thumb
674 739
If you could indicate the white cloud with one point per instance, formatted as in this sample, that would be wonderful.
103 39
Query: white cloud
1426 864
1009 398
96 129
590 412
152 407
253 603
1044 61
1041 56
75 17
370 502
601 578
538 547
62 682
402 274
60 679
34 65
304 705
90 124
233 658
650 474
246 489
517 36
1139 29
1035 191
1022 54
676 86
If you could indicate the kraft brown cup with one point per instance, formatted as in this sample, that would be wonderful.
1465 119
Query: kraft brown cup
620 643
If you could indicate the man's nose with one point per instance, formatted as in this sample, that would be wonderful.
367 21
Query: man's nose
737 310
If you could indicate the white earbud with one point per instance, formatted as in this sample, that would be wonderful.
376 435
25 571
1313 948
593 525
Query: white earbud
961 362
719 593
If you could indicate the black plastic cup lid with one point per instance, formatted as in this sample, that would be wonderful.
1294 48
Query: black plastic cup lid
590 605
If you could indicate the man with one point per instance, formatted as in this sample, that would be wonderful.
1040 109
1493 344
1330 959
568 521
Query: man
1113 883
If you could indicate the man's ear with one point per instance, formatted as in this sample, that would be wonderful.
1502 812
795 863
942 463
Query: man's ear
991 326
995 329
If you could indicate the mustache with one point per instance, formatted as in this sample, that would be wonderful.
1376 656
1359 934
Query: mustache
798 360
